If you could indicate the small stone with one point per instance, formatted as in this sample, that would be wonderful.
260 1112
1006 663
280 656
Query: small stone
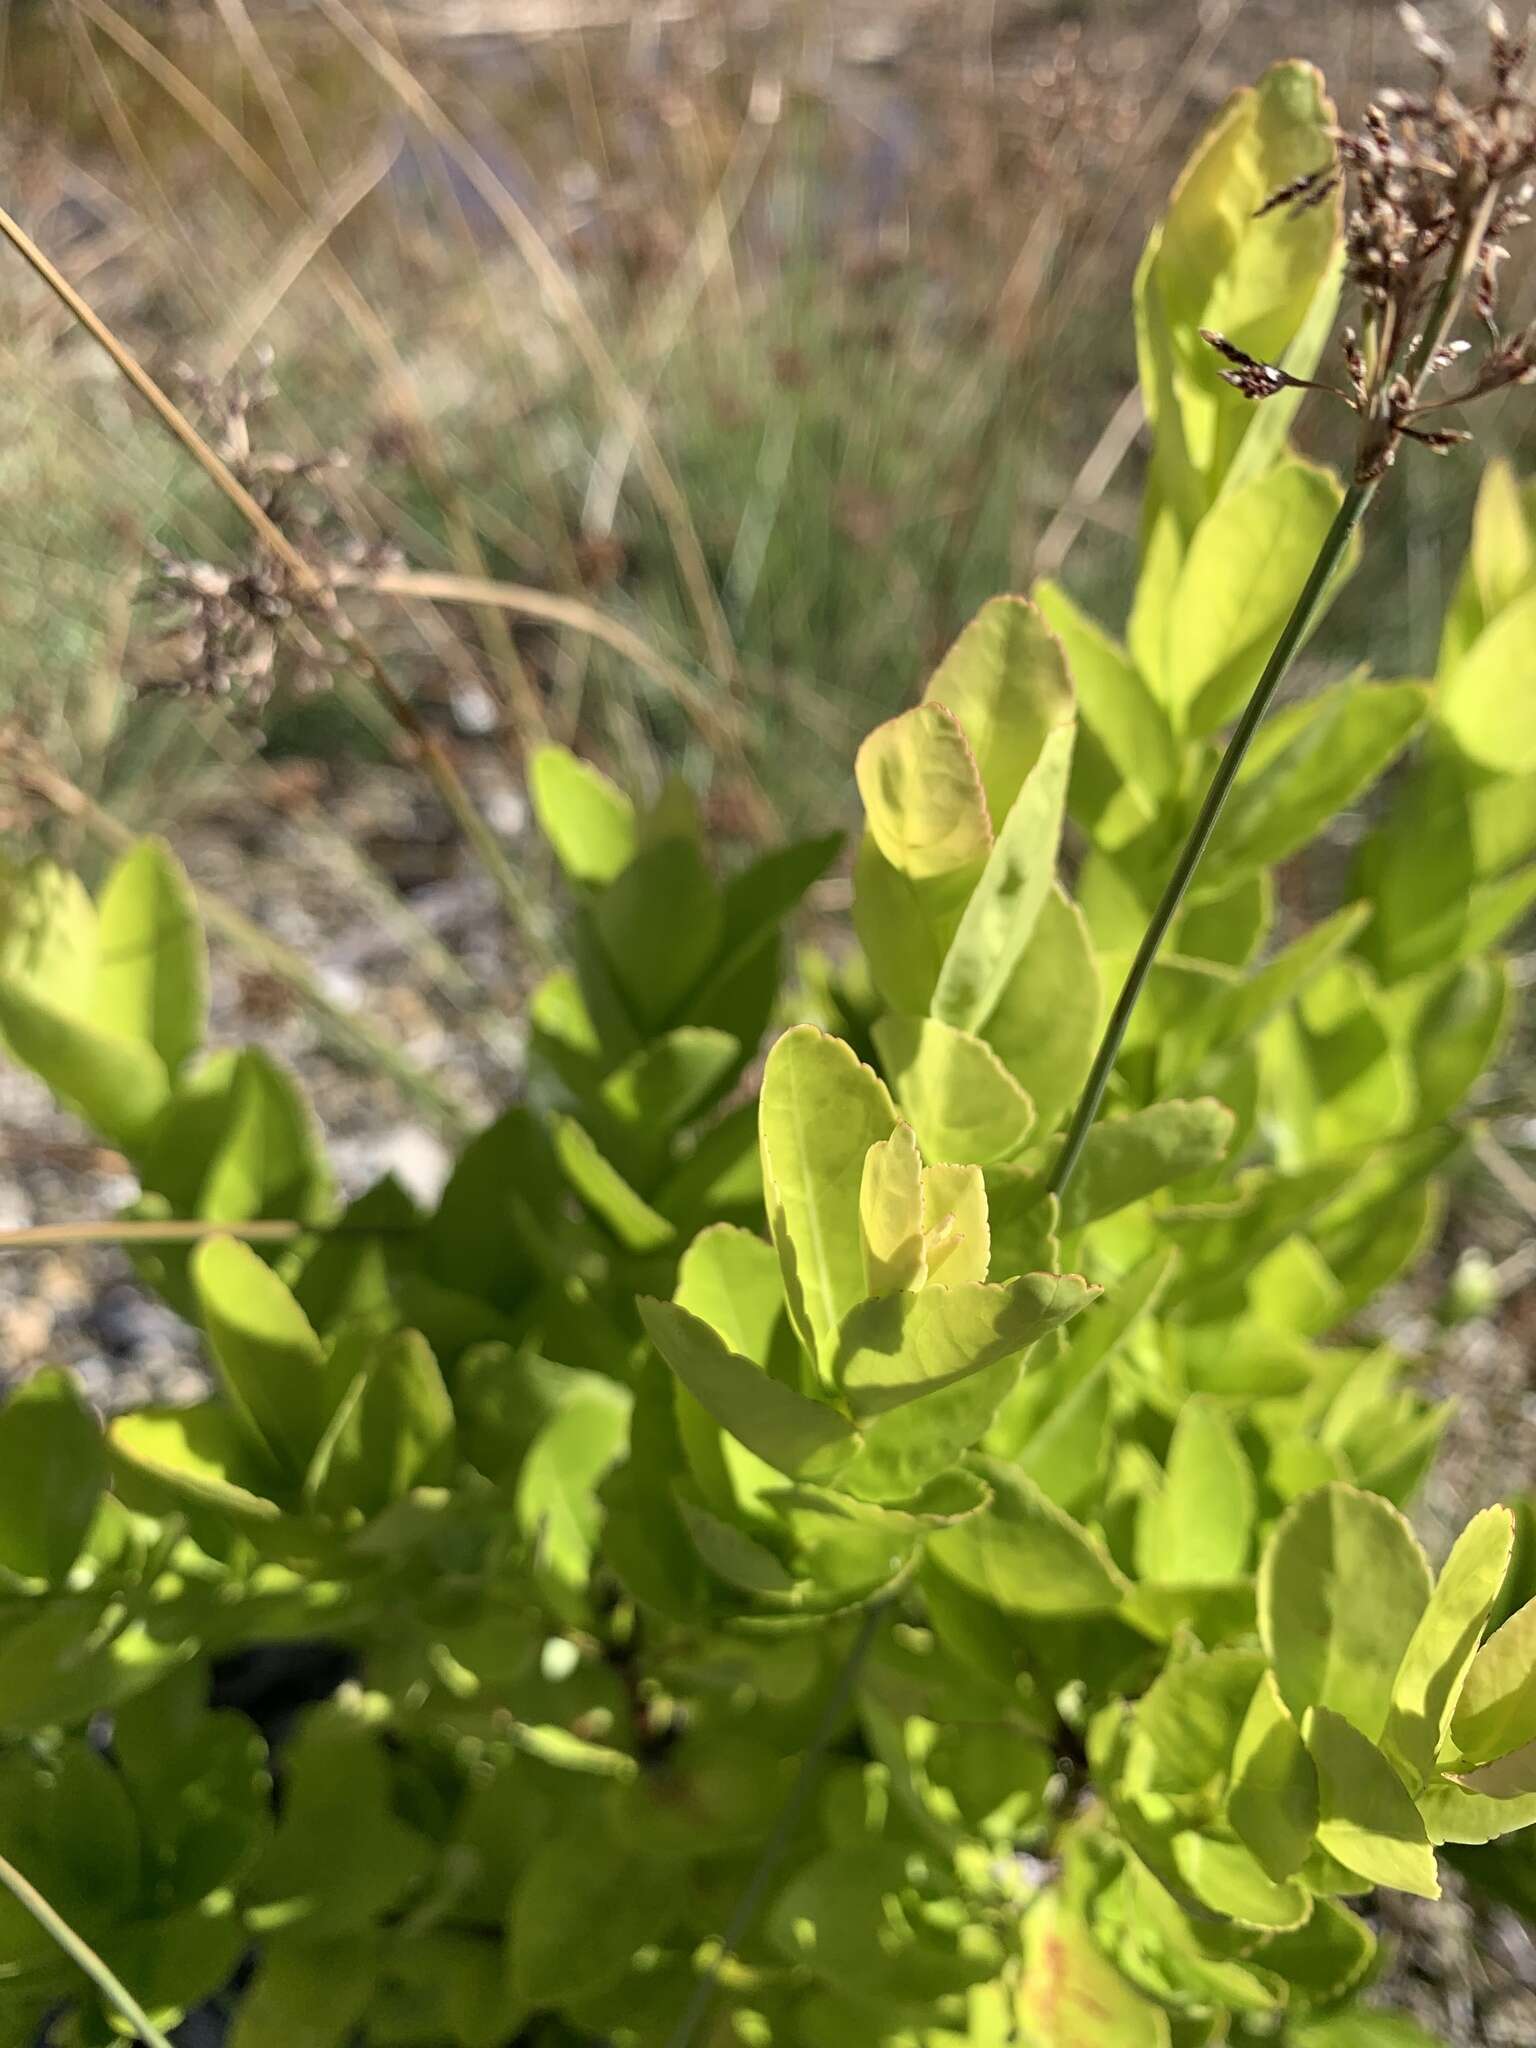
26 1329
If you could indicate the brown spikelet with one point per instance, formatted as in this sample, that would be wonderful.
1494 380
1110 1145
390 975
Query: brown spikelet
1438 182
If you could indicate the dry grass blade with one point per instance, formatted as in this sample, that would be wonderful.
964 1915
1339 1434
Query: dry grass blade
708 249
169 413
721 728
286 124
303 246
427 748
1507 1171
114 119
522 700
58 1237
1091 482
566 303
41 1237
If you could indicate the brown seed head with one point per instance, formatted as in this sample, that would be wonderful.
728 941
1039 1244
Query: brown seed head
1438 181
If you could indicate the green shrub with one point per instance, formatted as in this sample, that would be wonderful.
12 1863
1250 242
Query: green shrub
809 1582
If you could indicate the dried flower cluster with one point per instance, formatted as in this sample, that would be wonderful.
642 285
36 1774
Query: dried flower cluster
219 625
1436 181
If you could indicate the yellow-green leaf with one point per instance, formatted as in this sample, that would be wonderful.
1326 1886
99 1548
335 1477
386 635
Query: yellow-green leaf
660 923
956 1234
605 1191
1268 283
1071 1995
1309 764
1440 1653
1487 700
204 1454
52 1471
1342 1585
905 1346
1196 1529
119 1085
1273 1800
1026 1555
923 794
658 1086
1501 562
271 1363
819 1113
151 965
1496 1712
1007 684
1507 1777
791 1433
962 1100
1227 1878
891 1215
1115 704
393 1429
1129 1157
1046 1021
1366 1815
48 934
998 922
587 819
1246 564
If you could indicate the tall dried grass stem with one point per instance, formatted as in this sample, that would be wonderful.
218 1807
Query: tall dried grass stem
423 743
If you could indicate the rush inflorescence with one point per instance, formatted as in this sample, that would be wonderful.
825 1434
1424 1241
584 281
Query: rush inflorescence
218 624
1435 183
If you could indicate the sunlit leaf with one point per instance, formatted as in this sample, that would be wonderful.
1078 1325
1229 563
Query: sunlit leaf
1026 1555
1007 685
1496 1711
52 1471
1273 1798
790 1432
588 821
152 966
819 1113
961 1099
1196 1530
1342 1585
923 795
999 920
1441 1650
1366 1816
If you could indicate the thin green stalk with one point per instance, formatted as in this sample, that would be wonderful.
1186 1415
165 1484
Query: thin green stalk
83 1955
774 1849
1308 605
1442 319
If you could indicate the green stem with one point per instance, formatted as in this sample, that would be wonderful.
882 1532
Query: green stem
1297 626
774 1849
81 1953
1442 318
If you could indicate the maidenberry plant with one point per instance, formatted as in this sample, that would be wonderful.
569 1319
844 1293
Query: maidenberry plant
906 1545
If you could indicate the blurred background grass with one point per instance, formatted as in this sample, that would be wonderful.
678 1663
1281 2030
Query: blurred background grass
861 272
